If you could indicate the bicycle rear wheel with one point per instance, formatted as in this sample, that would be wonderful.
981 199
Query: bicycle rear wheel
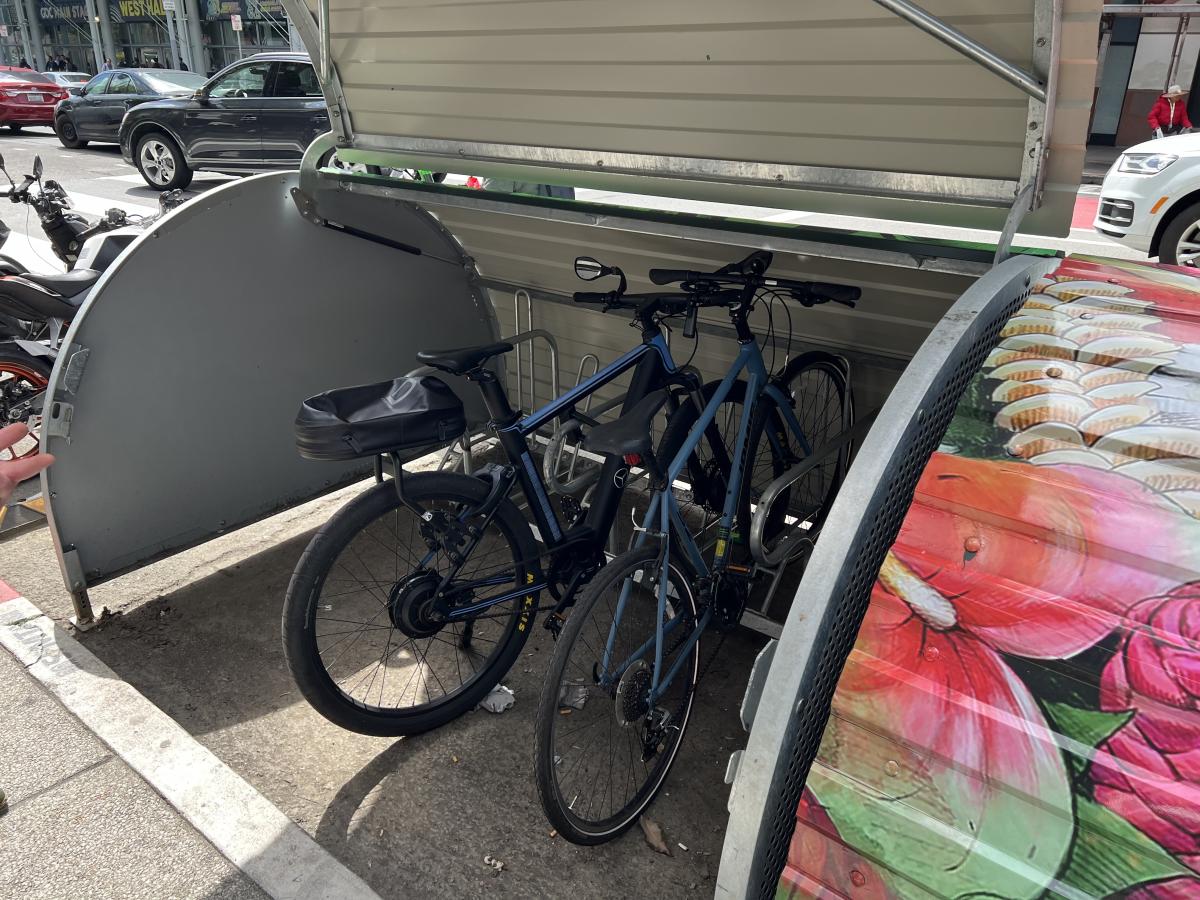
603 751
818 393
361 634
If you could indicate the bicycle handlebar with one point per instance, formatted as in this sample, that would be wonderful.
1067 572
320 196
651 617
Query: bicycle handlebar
667 302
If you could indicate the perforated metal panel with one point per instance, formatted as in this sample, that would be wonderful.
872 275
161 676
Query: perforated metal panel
819 633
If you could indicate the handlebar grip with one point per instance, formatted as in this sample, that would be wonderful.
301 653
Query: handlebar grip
669 276
592 297
838 293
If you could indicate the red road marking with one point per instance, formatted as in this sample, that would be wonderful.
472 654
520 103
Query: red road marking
7 593
1085 211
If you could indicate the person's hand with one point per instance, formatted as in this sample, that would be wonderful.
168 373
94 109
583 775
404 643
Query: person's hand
14 471
1158 132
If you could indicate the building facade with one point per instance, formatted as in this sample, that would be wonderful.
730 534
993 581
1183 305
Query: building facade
1144 48
194 34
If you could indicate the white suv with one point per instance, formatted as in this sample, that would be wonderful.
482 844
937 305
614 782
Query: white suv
1150 199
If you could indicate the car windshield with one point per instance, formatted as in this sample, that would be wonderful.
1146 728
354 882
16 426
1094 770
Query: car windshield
166 82
24 78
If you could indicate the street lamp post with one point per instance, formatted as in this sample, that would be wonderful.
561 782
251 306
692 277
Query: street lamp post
106 32
94 26
38 59
169 16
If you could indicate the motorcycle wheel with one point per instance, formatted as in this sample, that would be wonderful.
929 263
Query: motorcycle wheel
22 377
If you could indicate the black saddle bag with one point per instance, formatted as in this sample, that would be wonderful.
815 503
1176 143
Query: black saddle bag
401 414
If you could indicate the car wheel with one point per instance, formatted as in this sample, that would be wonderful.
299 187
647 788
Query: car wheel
161 162
15 128
67 135
1180 243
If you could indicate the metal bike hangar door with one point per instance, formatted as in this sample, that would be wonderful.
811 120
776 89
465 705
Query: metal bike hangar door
766 102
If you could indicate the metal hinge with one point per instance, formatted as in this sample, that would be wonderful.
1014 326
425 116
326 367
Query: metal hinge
56 420
77 358
307 206
73 570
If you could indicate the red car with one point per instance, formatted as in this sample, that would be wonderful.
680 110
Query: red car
27 98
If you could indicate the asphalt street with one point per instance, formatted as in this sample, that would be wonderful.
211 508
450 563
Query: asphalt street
96 177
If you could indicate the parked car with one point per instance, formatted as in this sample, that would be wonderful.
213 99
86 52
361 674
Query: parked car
1150 199
259 114
27 98
94 111
68 79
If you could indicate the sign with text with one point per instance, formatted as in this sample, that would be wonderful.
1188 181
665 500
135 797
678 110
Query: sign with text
119 10
236 22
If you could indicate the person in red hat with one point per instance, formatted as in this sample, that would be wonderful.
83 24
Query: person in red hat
1169 114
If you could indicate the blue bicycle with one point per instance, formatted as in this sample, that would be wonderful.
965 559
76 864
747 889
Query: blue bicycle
619 691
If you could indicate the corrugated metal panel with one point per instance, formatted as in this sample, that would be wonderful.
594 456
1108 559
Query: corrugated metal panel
898 308
849 87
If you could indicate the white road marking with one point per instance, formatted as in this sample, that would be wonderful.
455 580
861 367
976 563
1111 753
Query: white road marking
239 821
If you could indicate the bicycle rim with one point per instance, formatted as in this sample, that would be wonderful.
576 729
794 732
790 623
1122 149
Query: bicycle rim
602 754
369 627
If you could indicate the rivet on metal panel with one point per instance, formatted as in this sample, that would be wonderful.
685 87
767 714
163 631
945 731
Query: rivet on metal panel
1033 126
1041 42
892 768
931 654
857 878
973 544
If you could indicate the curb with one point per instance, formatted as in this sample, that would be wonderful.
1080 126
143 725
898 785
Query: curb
245 827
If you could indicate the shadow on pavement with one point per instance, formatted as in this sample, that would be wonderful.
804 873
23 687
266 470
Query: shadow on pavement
416 816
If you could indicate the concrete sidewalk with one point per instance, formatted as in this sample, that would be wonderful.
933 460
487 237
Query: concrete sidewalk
82 823
109 798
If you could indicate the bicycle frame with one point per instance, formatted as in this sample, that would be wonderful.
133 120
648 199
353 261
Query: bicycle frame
652 363
664 507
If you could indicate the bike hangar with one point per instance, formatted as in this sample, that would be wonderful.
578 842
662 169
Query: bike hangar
956 115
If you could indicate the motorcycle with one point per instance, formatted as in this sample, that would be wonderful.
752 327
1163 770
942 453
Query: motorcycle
68 231
35 309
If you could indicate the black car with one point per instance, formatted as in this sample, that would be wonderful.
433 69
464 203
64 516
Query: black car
256 115
94 110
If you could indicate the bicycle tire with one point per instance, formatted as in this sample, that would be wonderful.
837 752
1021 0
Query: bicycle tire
708 484
301 640
609 704
812 496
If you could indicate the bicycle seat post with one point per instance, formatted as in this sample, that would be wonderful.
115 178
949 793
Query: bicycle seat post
500 411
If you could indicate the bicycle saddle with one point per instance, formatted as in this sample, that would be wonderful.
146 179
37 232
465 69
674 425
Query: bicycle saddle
458 362
631 432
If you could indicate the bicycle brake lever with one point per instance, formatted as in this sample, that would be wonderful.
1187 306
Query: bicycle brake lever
689 323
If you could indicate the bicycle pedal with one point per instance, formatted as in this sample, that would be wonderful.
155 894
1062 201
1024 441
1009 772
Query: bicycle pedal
554 624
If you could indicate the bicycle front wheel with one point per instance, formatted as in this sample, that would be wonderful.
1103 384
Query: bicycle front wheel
603 748
818 393
361 632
